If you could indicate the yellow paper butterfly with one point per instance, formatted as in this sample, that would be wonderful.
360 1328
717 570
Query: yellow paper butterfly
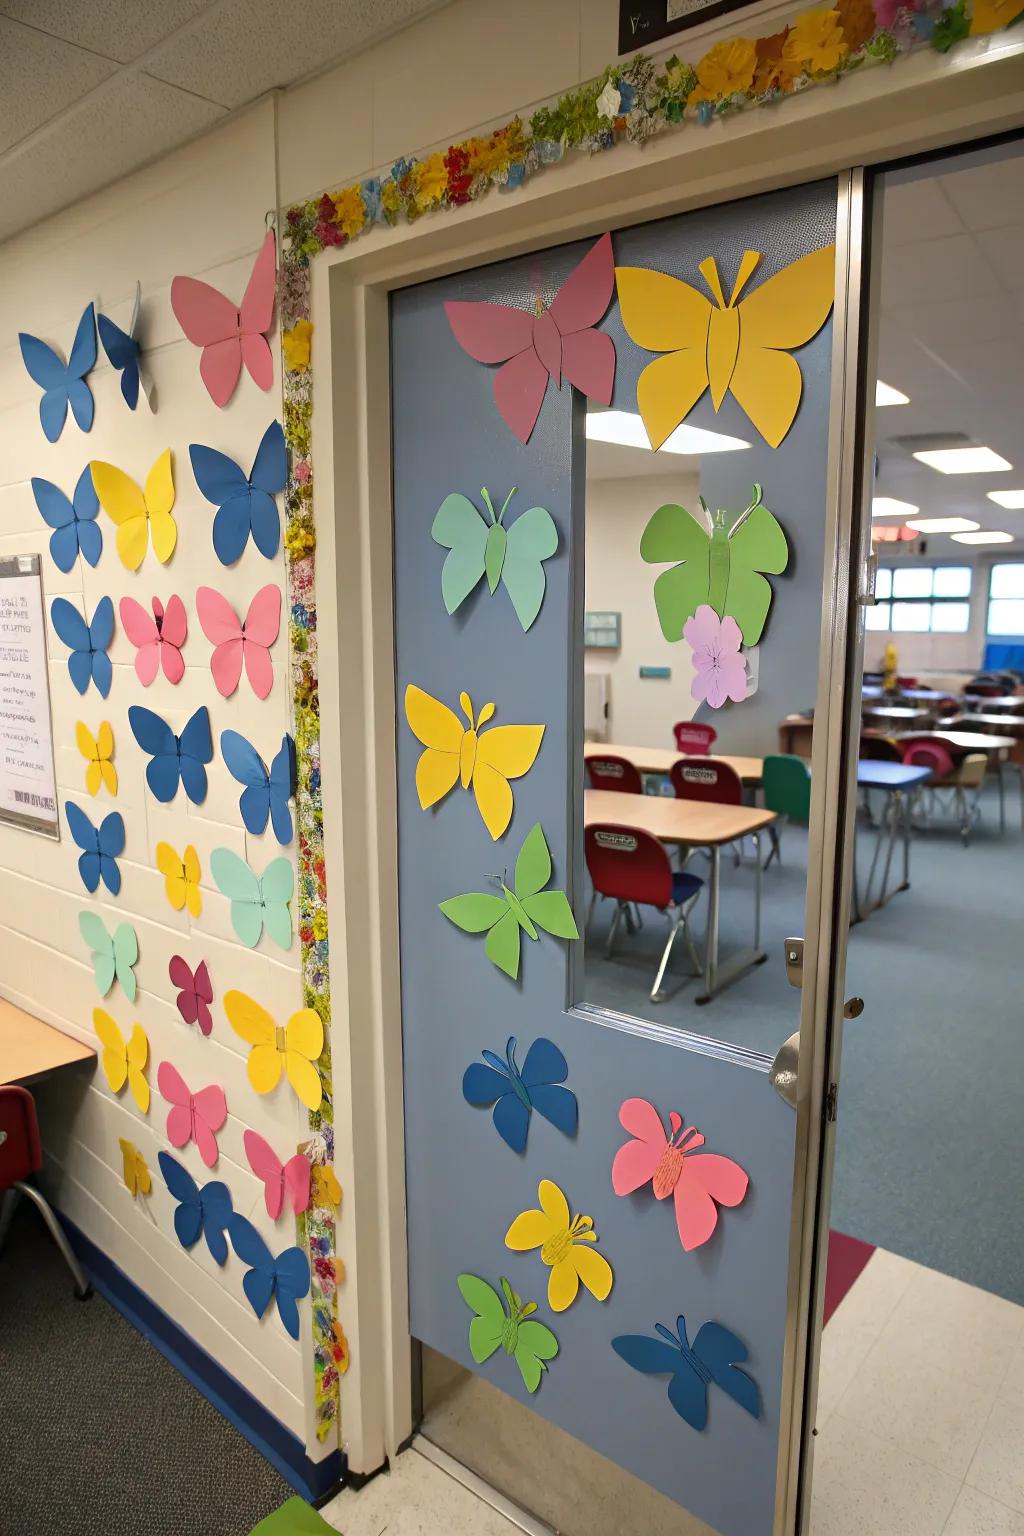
294 1049
455 751
181 877
123 1063
97 751
740 347
139 514
137 1177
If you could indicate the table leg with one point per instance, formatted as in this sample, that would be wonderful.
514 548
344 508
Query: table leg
904 809
1002 797
717 973
711 941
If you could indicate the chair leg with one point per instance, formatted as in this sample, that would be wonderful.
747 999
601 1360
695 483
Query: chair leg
679 922
590 913
83 1290
620 907
8 1206
776 842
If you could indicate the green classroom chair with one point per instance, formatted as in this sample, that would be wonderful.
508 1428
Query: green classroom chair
787 792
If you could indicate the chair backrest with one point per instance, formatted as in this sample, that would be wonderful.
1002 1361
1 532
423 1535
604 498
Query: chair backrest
21 1154
906 682
879 749
787 786
930 752
706 778
693 738
615 773
628 865
971 770
984 690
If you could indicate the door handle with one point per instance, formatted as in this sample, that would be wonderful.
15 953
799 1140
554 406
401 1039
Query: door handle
783 1072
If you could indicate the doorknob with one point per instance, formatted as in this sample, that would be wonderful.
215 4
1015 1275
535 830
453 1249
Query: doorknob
782 1074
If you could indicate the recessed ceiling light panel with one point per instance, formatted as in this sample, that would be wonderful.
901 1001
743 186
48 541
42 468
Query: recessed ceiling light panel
890 506
626 430
886 395
943 525
1013 501
963 461
983 538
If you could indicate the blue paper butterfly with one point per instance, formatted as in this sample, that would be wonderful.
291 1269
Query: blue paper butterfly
73 522
206 1211
63 384
101 846
123 351
86 642
286 1277
516 1094
266 795
244 505
714 1357
174 759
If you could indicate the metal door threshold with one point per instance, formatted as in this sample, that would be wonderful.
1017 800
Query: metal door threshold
520 1518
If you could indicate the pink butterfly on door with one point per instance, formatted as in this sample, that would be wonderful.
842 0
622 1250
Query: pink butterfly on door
280 1180
193 1116
234 642
670 1164
541 344
229 335
157 637
196 992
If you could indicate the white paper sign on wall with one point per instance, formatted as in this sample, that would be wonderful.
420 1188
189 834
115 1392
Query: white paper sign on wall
28 791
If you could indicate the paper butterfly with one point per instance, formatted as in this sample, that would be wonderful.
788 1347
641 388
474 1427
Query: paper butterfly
196 992
564 1241
206 1211
230 336
515 1094
74 524
182 875
672 1167
455 751
507 1324
113 956
713 1357
741 347
101 847
257 901
286 1277
536 345
87 642
175 759
524 910
123 1063
245 505
266 795
158 638
97 751
193 1116
137 1177
122 351
294 1049
476 548
139 515
280 1180
63 384
234 642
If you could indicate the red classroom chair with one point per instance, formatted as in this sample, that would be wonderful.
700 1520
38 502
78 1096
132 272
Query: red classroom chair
694 739
632 867
21 1157
706 779
614 773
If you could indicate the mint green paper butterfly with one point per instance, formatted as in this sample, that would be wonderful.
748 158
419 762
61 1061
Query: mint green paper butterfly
257 901
720 566
506 1324
525 909
513 555
113 956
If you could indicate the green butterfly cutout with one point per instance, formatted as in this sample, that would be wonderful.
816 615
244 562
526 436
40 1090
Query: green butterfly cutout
525 909
506 1324
718 565
113 956
257 901
514 555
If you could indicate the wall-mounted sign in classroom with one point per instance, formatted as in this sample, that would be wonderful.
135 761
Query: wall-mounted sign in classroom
28 793
602 631
643 22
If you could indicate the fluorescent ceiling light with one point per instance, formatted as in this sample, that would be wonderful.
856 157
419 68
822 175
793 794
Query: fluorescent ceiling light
886 395
1013 501
983 538
962 461
626 429
943 525
889 506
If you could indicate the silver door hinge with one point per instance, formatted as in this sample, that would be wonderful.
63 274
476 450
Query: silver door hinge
831 1102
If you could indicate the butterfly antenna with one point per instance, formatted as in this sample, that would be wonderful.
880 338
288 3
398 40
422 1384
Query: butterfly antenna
504 505
757 493
485 493
707 514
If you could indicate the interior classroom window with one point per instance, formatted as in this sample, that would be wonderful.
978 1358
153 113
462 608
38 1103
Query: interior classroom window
1006 599
922 598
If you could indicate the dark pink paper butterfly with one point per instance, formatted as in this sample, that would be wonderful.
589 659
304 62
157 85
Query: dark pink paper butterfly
543 344
157 637
280 1180
192 1116
230 334
670 1165
196 992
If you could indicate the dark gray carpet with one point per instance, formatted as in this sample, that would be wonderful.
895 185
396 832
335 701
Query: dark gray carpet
99 1434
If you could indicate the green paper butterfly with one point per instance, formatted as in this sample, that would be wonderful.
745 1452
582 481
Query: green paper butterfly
257 901
113 956
720 566
525 909
506 1324
514 555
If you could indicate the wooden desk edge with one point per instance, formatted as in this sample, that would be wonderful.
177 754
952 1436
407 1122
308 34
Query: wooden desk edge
40 1047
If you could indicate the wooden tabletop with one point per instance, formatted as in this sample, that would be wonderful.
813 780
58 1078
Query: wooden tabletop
660 760
897 712
1012 703
963 741
1009 724
29 1048
700 823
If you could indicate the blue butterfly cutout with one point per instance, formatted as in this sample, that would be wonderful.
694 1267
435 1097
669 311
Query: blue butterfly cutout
86 642
286 1277
123 352
516 1094
266 795
714 1357
101 847
73 522
245 505
63 384
205 1211
174 759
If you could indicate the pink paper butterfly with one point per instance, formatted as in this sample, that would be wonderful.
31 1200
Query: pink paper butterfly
670 1164
235 642
192 1116
158 640
196 993
289 1179
230 336
545 343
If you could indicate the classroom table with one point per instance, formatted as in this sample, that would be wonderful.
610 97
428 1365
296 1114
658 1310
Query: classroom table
694 824
918 695
996 748
903 716
30 1049
1004 703
660 759
896 780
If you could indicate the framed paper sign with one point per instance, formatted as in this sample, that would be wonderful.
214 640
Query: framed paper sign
643 22
28 791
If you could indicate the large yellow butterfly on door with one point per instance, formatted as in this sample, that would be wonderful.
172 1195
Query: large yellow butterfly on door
741 347
485 759
139 514
123 1062
295 1049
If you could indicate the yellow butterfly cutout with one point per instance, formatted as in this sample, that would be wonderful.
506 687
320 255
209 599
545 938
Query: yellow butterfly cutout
97 751
455 751
181 877
123 1063
740 347
137 1177
295 1049
139 514
324 1186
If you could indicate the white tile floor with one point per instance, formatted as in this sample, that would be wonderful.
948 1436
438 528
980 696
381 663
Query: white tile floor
920 1424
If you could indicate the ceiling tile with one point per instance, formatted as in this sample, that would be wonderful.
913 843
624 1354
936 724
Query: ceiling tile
988 196
120 29
40 76
916 210
935 271
1003 248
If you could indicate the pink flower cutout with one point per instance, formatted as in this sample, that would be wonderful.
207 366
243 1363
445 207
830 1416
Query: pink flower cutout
721 670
